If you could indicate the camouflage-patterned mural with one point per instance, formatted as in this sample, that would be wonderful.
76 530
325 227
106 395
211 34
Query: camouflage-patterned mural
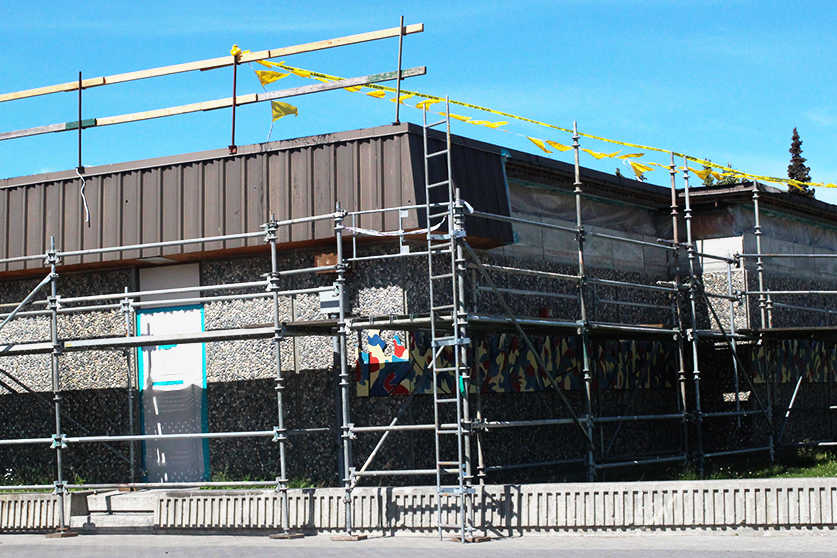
787 357
505 365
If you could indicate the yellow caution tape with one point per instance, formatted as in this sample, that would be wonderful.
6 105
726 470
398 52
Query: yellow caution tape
381 88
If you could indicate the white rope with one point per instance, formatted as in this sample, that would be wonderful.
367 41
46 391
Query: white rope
83 198
371 232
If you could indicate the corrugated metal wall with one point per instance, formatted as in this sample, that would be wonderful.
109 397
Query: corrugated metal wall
213 193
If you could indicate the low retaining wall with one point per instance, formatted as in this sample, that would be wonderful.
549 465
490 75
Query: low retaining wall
31 512
500 510
511 510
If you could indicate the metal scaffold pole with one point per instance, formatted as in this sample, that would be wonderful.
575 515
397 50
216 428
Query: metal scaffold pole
678 312
345 398
128 313
693 334
766 315
280 433
583 328
58 439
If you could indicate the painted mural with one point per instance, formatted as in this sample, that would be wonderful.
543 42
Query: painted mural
504 364
788 357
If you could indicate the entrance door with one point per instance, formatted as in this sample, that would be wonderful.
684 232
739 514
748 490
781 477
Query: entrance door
172 384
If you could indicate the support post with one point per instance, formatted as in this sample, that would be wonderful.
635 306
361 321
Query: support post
398 78
280 433
583 327
346 424
233 148
128 313
678 312
693 334
733 346
58 443
79 167
765 315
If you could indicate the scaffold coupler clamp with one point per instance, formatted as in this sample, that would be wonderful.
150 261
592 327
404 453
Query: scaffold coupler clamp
349 432
281 485
54 302
479 425
737 259
691 335
50 259
59 487
126 305
279 435
579 233
58 441
270 229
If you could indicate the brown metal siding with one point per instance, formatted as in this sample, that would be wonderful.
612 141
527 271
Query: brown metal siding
215 193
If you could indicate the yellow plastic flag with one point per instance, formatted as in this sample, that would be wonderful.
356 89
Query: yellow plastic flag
487 123
639 168
403 98
378 94
457 116
539 143
598 155
354 88
631 156
702 174
281 109
269 76
425 104
558 146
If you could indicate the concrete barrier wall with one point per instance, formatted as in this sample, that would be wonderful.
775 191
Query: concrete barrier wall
522 509
31 512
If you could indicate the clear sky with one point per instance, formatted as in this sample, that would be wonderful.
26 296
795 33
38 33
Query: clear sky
726 80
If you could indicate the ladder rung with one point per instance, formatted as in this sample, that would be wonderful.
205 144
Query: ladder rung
443 214
443 307
440 247
446 369
447 432
447 400
449 463
435 154
435 123
442 276
437 184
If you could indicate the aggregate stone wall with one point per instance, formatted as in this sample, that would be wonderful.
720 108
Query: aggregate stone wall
241 394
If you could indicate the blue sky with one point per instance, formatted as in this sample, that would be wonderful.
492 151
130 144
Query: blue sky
725 80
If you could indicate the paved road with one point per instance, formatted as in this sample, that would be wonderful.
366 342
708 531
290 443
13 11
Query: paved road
770 545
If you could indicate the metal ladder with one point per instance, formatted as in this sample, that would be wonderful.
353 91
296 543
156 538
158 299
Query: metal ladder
445 230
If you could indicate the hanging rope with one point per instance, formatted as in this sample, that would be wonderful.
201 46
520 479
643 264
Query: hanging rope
84 198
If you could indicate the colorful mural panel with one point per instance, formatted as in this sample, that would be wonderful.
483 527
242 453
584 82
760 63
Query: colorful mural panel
503 364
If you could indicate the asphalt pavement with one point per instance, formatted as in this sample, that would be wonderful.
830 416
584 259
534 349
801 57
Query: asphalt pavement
771 544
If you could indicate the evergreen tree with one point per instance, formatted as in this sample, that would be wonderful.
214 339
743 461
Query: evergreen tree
797 169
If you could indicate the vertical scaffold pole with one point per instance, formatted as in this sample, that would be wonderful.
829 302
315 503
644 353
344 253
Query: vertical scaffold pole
733 346
128 313
342 333
764 314
678 311
583 328
58 443
690 247
280 433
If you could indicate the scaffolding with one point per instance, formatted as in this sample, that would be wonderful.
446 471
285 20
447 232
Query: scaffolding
459 283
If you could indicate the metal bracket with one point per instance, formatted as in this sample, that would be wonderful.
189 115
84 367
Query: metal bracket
59 487
270 229
281 485
349 432
53 302
58 441
279 435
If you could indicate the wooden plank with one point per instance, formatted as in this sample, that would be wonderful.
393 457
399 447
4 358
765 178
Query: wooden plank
212 63
219 103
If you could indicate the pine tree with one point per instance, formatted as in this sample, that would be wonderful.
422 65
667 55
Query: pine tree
797 169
